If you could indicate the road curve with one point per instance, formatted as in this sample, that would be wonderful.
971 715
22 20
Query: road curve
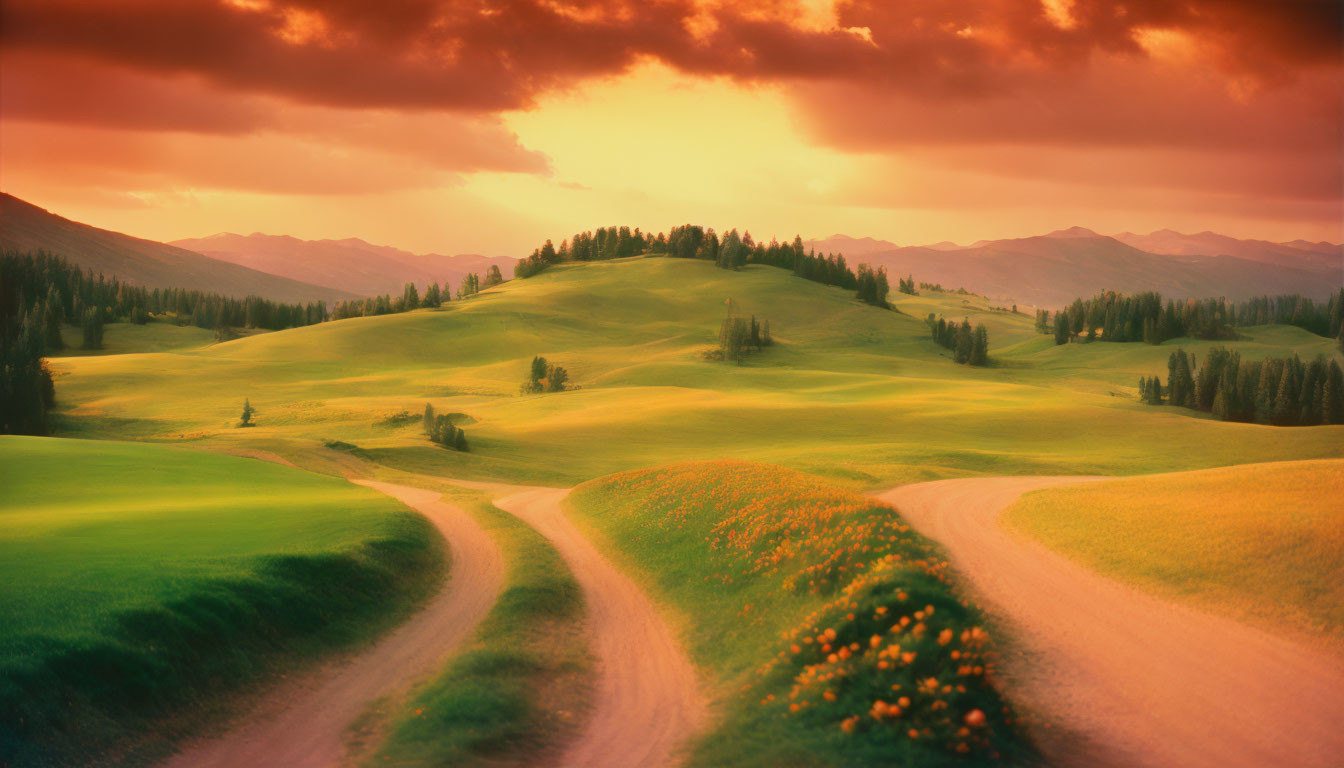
1122 677
302 724
648 700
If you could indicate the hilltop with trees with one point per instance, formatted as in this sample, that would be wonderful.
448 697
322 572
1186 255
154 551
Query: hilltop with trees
732 251
1146 317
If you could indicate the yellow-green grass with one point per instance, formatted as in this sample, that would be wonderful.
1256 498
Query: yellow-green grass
521 687
851 391
161 335
800 600
1263 542
140 582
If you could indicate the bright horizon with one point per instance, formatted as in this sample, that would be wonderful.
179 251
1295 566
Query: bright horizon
916 125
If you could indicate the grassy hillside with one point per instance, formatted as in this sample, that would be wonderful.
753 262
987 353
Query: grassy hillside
825 622
25 227
1263 542
162 335
135 579
850 391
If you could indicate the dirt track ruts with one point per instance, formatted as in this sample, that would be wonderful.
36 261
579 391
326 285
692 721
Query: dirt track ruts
303 723
648 700
1125 678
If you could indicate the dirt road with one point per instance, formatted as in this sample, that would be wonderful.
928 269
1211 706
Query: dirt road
648 700
1124 678
302 725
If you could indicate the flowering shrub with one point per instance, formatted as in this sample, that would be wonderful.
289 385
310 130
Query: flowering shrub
873 652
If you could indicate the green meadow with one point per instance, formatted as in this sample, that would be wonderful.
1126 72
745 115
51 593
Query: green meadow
857 393
184 571
144 579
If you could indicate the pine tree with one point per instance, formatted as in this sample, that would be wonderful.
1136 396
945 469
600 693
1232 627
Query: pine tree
93 328
432 299
248 411
493 276
460 441
765 333
410 298
980 346
1061 328
1285 409
429 419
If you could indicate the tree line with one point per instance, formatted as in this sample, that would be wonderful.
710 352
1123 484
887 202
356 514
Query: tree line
732 251
411 298
62 292
440 429
1146 317
1280 391
969 345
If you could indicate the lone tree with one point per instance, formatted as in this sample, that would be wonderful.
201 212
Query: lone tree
248 410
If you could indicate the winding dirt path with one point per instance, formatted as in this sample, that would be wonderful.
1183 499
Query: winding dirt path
648 699
303 724
1124 678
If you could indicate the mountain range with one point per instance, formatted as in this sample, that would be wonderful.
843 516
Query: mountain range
26 227
351 265
1044 271
1051 270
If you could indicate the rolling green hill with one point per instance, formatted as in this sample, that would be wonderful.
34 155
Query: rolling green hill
849 390
141 582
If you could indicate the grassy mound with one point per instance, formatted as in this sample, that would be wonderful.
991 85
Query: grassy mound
827 621
1261 542
138 583
848 391
521 686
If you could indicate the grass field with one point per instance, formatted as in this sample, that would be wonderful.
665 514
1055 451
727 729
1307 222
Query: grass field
161 335
1262 542
850 391
826 623
140 581
522 685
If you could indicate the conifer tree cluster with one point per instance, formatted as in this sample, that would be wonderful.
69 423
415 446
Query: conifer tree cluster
411 298
470 286
906 285
440 429
1278 391
739 336
732 251
26 389
61 292
969 345
544 376
1145 317
872 286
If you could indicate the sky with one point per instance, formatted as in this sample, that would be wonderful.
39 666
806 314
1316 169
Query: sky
489 126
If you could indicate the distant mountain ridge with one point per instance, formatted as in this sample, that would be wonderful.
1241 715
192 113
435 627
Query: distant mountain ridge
26 227
350 264
1052 269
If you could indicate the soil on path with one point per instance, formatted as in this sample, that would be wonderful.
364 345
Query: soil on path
303 723
1122 677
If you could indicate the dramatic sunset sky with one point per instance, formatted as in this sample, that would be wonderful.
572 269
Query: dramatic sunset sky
488 126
